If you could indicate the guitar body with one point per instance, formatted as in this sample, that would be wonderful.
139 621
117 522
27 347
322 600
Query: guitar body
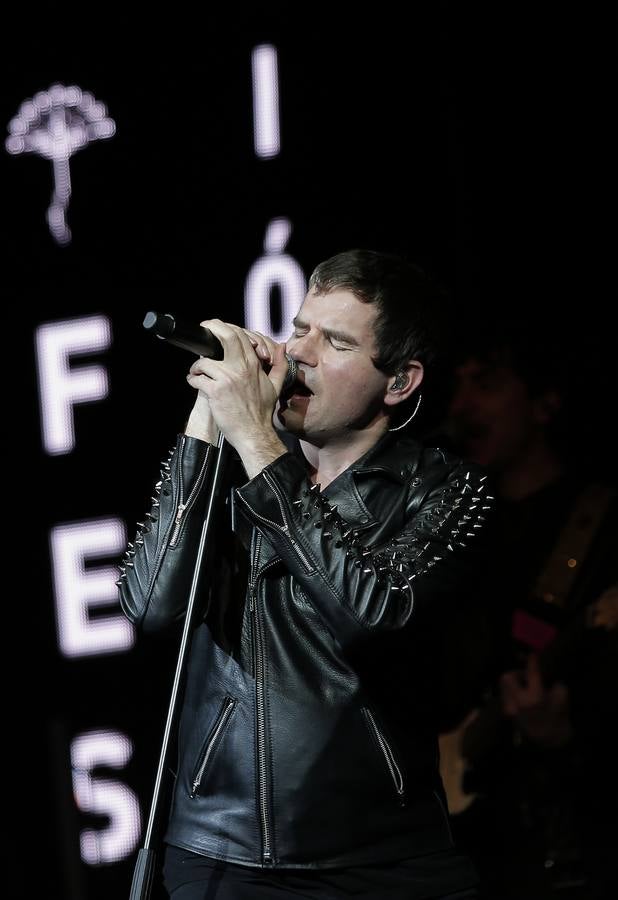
478 736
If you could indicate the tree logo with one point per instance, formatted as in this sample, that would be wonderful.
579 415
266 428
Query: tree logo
55 124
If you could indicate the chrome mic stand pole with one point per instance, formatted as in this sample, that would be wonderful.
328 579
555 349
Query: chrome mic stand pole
146 858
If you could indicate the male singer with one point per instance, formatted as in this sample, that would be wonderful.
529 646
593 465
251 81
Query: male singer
307 751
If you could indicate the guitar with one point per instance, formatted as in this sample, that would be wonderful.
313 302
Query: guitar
476 736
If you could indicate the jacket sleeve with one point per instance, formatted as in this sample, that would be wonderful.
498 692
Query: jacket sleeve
360 590
157 569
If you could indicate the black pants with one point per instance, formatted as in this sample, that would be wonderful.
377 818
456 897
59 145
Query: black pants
188 876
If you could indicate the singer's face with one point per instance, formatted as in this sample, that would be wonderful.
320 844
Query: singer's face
333 343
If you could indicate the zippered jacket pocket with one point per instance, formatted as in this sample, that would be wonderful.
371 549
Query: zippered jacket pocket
209 748
388 756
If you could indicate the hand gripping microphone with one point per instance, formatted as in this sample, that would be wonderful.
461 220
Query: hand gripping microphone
198 340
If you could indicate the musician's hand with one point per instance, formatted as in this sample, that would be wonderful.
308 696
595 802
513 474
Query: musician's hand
263 345
240 395
541 713
201 423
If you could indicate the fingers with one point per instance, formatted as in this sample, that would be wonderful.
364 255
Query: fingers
202 374
204 366
243 350
264 346
279 368
233 338
244 343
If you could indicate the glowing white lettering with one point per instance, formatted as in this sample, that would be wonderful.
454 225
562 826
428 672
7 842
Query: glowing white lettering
60 386
79 590
105 797
274 269
266 136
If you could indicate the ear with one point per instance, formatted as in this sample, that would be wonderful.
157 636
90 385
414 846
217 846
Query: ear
396 390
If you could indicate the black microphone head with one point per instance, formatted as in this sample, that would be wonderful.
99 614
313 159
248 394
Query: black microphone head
161 324
292 373
198 340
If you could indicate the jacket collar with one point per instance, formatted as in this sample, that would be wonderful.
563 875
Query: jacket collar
390 461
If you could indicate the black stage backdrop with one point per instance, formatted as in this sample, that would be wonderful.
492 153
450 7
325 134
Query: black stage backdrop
481 147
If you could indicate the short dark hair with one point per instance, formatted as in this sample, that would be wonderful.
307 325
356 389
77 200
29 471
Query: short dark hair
411 305
536 353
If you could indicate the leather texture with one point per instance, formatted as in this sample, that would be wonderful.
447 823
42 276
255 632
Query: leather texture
307 736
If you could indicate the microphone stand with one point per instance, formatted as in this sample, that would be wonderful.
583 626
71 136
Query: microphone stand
146 858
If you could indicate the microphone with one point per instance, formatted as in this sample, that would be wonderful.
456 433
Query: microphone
198 340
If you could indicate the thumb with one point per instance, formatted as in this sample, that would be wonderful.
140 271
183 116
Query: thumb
279 368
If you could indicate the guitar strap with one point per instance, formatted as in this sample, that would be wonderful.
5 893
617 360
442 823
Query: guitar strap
545 794
557 576
468 748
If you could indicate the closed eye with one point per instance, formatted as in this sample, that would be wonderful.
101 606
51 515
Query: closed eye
330 338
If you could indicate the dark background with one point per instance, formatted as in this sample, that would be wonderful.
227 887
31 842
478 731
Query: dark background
480 144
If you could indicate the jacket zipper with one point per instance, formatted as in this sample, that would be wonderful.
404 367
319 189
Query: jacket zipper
164 544
224 716
183 507
285 528
393 768
260 703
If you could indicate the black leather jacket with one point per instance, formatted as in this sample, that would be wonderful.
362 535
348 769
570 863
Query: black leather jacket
307 736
